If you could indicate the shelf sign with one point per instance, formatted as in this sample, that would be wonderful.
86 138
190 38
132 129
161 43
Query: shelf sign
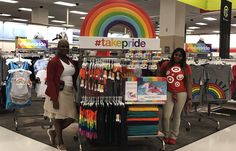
146 89
197 47
22 43
119 43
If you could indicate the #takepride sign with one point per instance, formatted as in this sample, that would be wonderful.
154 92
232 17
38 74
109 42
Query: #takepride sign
22 43
118 43
197 47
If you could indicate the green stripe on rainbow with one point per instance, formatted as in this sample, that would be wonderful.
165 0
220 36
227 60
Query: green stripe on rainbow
103 15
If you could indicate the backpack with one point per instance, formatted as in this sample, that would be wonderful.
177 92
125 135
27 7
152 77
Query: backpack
20 90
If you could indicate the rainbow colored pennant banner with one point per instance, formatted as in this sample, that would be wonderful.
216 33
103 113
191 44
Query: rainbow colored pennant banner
31 44
197 48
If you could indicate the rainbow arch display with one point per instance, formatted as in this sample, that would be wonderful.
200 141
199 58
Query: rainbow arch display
215 91
113 12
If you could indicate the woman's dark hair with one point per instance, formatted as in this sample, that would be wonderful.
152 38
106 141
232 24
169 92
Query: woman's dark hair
182 62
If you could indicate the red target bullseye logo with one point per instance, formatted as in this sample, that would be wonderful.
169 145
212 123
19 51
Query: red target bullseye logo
168 72
176 69
180 77
177 84
170 79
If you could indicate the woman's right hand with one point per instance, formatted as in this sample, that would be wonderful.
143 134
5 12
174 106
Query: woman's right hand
55 105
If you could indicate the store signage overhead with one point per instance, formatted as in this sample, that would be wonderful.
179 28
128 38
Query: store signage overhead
225 27
31 44
119 43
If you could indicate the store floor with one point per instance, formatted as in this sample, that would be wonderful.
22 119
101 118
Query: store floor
202 135
222 140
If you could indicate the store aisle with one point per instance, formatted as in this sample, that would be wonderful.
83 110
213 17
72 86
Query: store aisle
11 141
223 140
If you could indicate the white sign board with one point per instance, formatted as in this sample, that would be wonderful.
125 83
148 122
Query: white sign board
119 43
131 91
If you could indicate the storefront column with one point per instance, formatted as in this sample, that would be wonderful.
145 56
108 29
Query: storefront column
39 15
172 25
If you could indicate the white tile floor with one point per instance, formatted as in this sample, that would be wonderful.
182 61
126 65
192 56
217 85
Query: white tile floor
224 140
11 141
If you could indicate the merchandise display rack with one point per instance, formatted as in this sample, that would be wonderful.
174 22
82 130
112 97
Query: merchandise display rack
83 55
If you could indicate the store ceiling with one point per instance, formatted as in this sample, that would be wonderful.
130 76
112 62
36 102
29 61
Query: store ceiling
193 15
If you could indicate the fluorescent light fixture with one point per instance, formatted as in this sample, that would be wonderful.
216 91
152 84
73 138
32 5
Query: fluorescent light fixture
234 25
58 21
209 18
153 16
18 19
68 25
9 1
6 15
202 24
189 30
25 9
193 27
216 31
51 16
78 12
82 17
65 3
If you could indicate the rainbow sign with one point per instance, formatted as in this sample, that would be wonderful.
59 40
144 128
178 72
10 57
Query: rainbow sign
31 44
215 91
198 48
109 13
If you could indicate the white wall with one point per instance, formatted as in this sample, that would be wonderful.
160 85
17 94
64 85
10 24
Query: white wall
7 46
211 39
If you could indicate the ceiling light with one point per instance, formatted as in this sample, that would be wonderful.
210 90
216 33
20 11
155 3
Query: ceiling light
65 3
234 25
18 19
202 24
58 21
25 9
209 18
9 1
189 30
51 16
82 17
78 12
193 27
6 15
216 31
68 25
153 16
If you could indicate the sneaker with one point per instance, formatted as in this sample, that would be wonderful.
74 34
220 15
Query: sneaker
172 141
52 135
61 147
